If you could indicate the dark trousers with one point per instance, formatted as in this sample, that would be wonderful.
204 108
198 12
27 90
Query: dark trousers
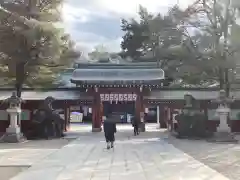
136 129
59 129
109 137
48 131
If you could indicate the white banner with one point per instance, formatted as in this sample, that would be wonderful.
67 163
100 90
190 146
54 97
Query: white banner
102 97
111 97
130 97
125 97
134 97
106 97
118 97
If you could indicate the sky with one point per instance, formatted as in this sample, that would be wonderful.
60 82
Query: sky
97 22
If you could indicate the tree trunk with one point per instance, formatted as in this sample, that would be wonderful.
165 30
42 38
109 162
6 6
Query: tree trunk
226 82
18 87
20 76
225 34
221 78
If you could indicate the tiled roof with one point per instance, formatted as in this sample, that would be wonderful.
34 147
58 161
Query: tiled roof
120 74
179 94
40 95
154 95
127 65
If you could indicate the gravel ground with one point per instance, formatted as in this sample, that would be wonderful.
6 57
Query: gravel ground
224 158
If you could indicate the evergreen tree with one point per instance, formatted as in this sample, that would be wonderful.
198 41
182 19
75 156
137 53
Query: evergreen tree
33 50
214 19
194 58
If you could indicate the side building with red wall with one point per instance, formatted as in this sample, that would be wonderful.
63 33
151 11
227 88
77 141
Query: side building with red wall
100 86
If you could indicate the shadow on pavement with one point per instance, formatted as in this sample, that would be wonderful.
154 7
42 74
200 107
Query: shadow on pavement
7 172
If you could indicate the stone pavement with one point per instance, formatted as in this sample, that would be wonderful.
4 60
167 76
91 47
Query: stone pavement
145 157
28 153
15 158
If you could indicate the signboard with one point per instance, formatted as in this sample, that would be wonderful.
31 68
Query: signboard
118 97
76 117
25 115
74 108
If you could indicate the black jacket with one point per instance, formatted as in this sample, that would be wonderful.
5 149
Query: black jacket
109 127
135 121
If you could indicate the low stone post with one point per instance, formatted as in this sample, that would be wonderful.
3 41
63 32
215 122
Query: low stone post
158 117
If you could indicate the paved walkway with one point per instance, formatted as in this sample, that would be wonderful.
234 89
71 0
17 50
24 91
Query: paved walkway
28 153
15 158
145 157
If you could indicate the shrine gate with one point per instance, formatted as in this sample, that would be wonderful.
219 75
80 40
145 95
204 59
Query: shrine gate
116 84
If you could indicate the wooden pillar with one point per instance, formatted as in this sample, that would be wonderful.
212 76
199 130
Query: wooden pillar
158 116
96 113
163 116
65 119
170 117
65 116
67 113
166 119
139 108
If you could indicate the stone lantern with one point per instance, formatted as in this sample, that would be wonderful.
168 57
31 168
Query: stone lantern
189 100
223 133
13 133
189 107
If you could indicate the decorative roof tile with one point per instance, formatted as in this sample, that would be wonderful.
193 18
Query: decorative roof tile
119 74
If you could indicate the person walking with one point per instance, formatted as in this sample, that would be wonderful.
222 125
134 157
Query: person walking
109 128
135 124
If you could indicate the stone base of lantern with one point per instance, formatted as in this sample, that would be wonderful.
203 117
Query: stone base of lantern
13 135
223 133
223 137
96 129
142 127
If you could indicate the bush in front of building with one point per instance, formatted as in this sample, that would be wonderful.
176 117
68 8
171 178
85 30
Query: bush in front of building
191 125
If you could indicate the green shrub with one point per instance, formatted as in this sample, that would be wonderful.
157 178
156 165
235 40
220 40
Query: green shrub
191 125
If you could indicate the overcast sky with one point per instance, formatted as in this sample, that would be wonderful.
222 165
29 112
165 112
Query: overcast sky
94 22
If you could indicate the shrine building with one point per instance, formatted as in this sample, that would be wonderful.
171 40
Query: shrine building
104 89
115 87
